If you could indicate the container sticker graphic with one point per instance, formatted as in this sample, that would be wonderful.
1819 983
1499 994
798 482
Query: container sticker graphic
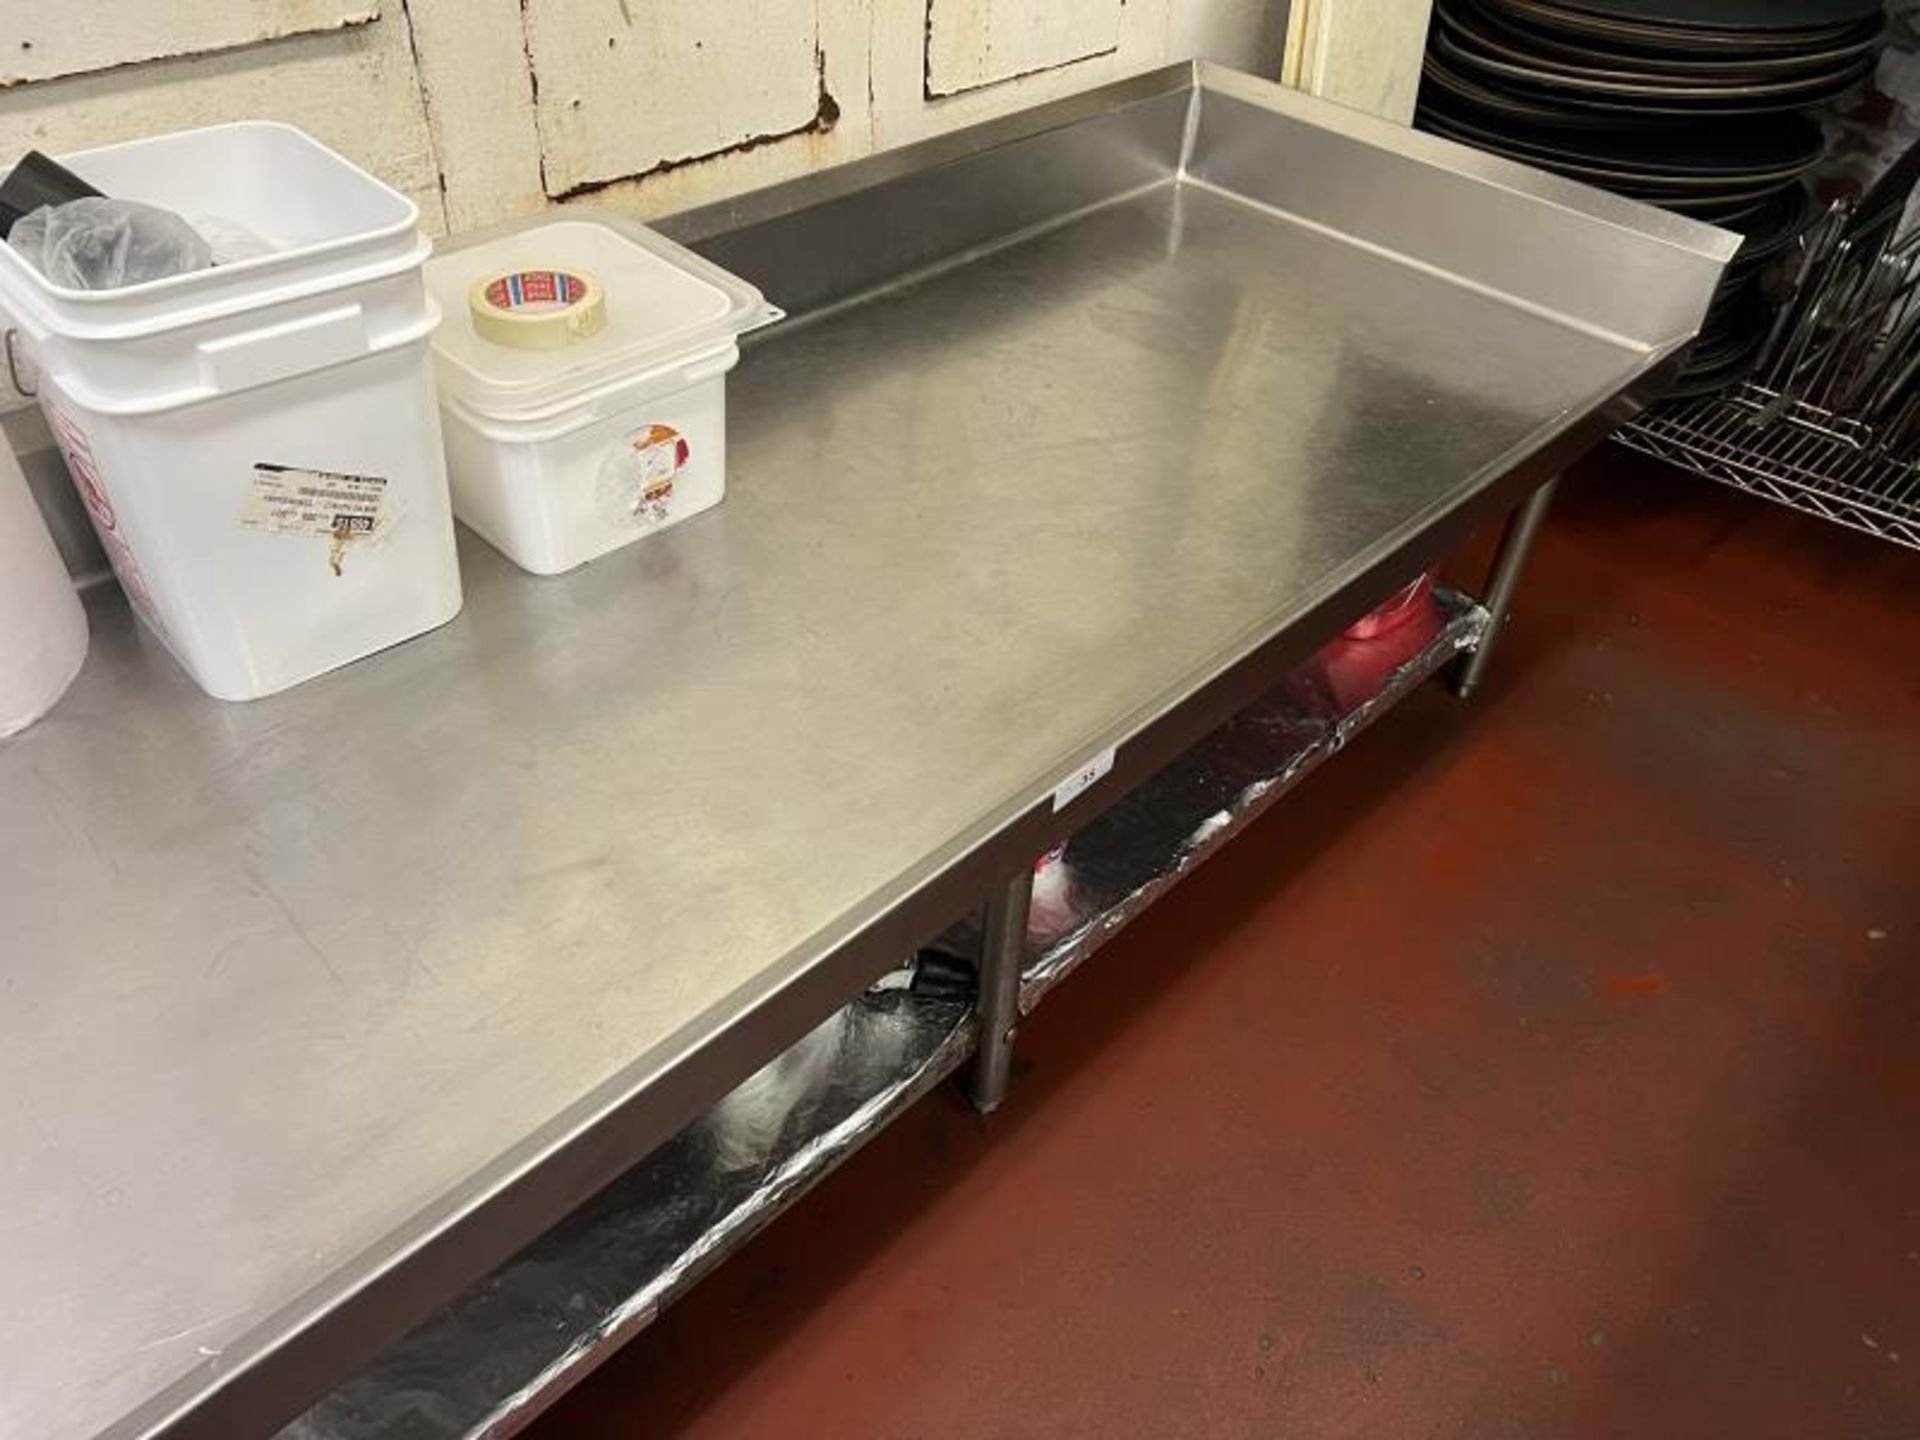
72 441
283 500
636 481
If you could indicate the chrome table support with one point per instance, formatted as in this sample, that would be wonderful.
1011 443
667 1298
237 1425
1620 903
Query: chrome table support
1523 527
1003 951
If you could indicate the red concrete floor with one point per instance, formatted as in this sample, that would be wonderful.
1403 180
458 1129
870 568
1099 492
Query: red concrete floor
1546 1067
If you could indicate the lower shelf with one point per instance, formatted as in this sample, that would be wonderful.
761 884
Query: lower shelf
512 1344
1151 840
504 1350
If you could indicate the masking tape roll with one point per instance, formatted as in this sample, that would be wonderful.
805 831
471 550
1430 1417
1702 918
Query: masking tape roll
537 309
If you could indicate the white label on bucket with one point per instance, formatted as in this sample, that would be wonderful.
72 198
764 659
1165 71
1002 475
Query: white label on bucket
1082 780
341 507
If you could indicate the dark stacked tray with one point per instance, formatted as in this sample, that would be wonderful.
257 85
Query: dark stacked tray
1700 106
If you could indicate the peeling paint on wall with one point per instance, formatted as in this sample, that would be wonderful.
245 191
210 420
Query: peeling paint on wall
39 41
354 89
971 43
476 95
469 105
826 114
628 88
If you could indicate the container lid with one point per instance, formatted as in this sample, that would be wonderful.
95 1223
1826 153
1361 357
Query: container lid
663 305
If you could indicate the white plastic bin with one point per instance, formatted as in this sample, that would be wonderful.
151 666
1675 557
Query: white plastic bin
257 444
560 454
43 630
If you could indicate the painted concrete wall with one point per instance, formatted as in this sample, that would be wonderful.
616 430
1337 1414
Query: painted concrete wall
1362 53
483 109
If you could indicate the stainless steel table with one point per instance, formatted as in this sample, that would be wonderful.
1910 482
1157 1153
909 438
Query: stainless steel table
1087 423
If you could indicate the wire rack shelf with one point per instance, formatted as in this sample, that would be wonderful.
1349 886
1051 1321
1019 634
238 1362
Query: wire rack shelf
1789 452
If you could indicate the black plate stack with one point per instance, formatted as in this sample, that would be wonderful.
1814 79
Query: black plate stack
1700 106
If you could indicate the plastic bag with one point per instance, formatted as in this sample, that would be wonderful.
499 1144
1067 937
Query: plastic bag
103 244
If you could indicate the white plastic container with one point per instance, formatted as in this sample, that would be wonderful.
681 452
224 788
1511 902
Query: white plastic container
43 630
558 455
257 444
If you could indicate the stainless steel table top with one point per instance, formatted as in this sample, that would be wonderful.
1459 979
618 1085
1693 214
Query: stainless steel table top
286 986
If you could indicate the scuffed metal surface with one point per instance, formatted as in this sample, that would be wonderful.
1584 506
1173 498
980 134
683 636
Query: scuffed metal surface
511 1344
491 1361
1101 880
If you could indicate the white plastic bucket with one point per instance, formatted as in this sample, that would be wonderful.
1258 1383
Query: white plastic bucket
323 216
43 630
559 455
258 444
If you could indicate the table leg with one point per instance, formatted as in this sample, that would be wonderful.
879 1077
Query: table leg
1003 950
1515 545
